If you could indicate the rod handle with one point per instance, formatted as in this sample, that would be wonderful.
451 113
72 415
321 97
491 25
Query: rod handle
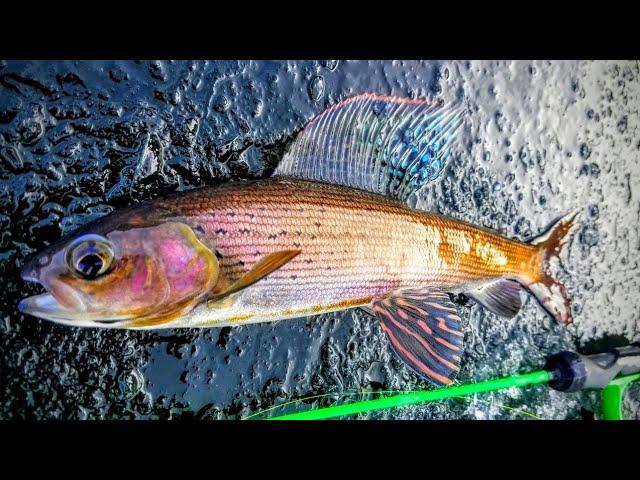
572 371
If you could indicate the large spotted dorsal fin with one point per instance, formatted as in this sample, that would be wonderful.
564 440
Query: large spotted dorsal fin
387 145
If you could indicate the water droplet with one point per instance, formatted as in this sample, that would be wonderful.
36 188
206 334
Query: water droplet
589 236
221 104
316 88
331 64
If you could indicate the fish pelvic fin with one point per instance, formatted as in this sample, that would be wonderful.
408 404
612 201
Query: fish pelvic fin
424 330
549 292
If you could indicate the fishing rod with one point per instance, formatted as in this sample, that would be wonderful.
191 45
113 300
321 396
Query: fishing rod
612 372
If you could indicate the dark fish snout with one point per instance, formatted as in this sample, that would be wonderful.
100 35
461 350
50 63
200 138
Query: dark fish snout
33 268
31 271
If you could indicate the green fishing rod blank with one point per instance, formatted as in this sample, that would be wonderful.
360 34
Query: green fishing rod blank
612 371
413 398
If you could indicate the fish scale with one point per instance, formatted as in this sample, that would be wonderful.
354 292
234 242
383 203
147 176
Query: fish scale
355 246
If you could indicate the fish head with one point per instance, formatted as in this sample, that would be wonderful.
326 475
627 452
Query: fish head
128 275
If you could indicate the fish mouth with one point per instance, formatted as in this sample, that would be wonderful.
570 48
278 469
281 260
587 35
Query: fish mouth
47 307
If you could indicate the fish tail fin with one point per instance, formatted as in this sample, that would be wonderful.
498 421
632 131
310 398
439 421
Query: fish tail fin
549 292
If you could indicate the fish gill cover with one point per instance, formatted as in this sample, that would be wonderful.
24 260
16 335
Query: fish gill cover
81 139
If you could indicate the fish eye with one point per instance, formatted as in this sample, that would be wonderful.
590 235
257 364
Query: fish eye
90 256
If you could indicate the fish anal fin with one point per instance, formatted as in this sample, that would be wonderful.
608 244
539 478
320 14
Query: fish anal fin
424 330
264 267
501 297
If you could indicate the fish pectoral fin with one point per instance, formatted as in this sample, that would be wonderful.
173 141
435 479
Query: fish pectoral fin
424 329
501 297
264 267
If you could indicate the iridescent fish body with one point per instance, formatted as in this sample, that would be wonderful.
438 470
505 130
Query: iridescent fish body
354 247
329 232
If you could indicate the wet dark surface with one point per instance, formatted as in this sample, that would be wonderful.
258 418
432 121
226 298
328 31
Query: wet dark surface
80 139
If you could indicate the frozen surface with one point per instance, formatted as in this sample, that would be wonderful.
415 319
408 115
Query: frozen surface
78 140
